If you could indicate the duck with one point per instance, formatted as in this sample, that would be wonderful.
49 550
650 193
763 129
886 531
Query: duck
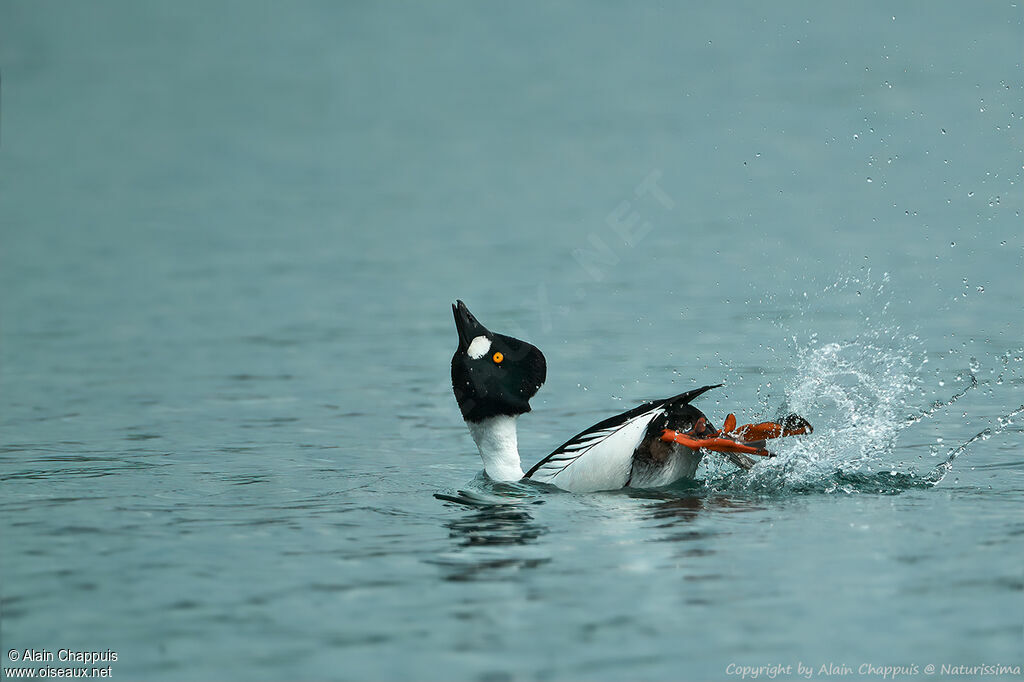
655 444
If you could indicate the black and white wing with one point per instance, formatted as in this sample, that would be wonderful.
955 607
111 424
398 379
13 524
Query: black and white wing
601 457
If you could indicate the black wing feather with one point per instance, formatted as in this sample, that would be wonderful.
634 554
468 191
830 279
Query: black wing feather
619 419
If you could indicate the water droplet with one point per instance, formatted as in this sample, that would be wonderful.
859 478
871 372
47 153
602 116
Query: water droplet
870 180
943 131
952 244
970 194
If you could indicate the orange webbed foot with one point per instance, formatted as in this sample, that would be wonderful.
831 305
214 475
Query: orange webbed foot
712 443
739 439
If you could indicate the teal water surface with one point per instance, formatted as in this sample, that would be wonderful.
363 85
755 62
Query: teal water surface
230 234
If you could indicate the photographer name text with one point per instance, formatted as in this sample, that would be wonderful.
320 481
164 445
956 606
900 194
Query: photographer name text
872 670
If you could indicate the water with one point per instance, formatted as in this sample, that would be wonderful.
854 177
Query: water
229 238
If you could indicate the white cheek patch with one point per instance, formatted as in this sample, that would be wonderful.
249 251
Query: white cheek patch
478 347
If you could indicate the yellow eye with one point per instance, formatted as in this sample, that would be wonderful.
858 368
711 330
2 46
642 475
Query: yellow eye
498 357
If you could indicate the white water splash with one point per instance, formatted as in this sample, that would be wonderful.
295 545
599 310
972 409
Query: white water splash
855 394
861 396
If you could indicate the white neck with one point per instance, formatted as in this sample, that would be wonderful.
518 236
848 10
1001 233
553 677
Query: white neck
496 440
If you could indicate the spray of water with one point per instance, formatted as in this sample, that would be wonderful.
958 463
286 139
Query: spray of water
855 394
861 395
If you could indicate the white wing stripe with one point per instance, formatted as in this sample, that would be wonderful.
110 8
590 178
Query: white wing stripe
611 460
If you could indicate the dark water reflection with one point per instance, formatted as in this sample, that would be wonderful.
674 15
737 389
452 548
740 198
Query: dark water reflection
688 505
486 541
497 525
